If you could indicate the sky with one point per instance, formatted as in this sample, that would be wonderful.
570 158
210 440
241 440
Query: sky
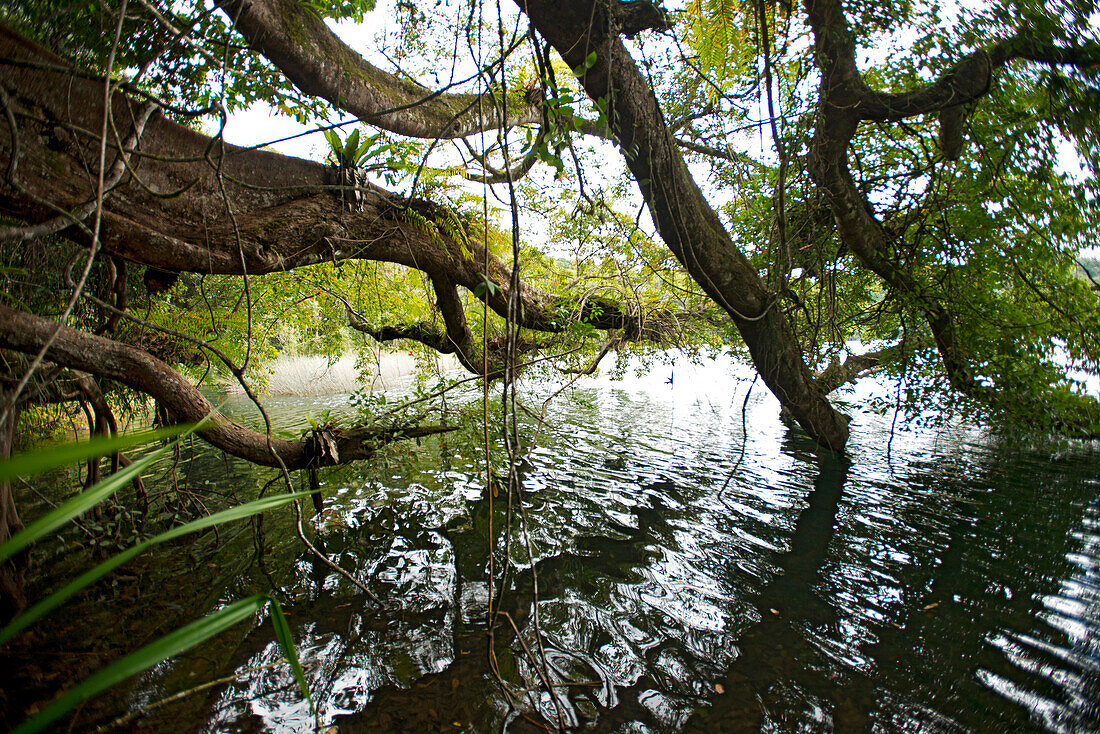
262 124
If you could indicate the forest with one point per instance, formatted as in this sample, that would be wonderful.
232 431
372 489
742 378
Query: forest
882 215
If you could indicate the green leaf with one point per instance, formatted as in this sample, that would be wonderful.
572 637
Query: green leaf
589 62
168 646
334 141
484 286
39 462
362 151
51 602
286 641
350 146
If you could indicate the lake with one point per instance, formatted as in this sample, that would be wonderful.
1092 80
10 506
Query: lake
668 571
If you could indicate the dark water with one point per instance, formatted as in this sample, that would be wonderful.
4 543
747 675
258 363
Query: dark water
673 574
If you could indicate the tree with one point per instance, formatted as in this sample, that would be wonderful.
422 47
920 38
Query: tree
899 236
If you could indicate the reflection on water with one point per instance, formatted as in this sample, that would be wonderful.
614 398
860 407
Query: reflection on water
682 575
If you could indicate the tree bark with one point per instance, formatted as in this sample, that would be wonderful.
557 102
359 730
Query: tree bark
234 210
97 355
683 217
296 40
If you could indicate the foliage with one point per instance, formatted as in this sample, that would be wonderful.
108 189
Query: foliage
995 236
167 646
187 73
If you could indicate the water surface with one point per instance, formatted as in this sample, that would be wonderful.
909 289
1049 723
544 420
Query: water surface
675 573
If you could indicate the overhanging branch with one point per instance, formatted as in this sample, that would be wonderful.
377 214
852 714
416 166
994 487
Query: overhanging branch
296 40
107 358
287 211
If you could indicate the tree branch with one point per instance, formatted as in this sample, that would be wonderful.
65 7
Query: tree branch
845 102
969 79
838 374
296 40
685 220
113 360
963 83
288 213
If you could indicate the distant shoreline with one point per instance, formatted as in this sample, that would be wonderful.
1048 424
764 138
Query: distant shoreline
318 375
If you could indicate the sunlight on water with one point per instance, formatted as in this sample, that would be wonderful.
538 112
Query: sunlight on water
690 575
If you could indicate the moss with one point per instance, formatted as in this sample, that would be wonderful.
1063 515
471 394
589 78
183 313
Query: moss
272 229
57 162
295 21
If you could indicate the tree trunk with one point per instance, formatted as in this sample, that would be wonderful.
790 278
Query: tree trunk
683 217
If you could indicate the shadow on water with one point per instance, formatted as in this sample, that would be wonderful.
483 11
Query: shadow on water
681 585
771 649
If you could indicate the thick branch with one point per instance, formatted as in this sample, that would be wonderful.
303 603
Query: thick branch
844 102
456 339
107 358
297 41
963 83
458 332
285 211
838 374
687 223
492 175
969 79
421 332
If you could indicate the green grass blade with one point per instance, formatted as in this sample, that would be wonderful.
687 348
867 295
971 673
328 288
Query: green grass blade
39 462
286 641
78 505
55 599
155 652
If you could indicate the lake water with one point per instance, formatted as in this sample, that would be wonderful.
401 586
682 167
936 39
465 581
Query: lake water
669 571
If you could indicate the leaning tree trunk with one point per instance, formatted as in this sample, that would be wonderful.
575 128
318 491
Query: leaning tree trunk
686 221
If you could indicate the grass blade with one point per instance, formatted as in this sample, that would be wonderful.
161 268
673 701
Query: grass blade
78 505
58 597
39 462
155 652
286 641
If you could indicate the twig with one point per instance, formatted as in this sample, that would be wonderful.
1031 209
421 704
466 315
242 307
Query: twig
143 710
